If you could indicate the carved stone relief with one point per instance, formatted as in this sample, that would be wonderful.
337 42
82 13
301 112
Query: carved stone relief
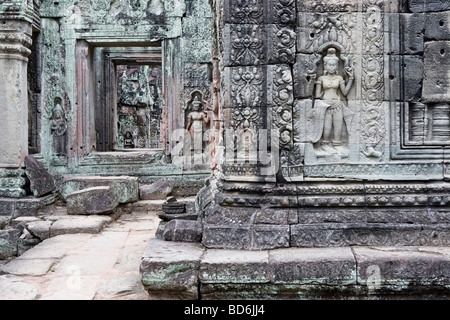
331 119
56 105
139 106
197 124
246 86
373 128
198 112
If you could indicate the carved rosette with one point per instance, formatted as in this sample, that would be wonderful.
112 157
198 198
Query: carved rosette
372 114
245 11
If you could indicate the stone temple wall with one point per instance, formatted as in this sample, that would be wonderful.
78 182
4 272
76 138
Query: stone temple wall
325 123
60 86
336 118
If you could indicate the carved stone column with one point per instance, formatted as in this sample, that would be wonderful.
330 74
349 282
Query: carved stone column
15 39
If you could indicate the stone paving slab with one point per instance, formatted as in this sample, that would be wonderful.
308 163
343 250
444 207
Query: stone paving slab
28 267
15 288
125 261
83 266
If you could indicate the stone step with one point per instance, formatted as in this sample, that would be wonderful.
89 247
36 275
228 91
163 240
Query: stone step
294 273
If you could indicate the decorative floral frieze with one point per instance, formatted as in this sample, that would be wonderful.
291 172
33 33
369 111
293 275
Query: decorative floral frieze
373 128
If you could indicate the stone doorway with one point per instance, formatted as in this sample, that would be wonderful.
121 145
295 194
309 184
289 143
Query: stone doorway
129 98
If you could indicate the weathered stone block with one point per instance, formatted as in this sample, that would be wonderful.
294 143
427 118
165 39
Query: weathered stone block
317 30
183 230
436 82
234 266
281 44
276 216
41 181
8 242
40 229
413 32
266 237
95 200
159 234
368 234
171 268
126 188
74 225
412 78
226 237
409 86
437 26
28 206
401 268
156 191
428 5
196 41
311 266
331 215
16 288
222 215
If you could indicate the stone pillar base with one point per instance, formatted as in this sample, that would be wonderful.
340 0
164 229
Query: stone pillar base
12 183
255 217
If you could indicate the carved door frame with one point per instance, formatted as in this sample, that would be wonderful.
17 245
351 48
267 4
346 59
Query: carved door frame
106 82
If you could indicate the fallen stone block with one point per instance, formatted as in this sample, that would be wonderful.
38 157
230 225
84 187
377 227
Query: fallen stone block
183 230
8 241
125 188
156 191
41 181
95 200
28 206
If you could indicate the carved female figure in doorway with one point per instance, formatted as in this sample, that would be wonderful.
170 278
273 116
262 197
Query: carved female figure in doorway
331 115
196 120
58 127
